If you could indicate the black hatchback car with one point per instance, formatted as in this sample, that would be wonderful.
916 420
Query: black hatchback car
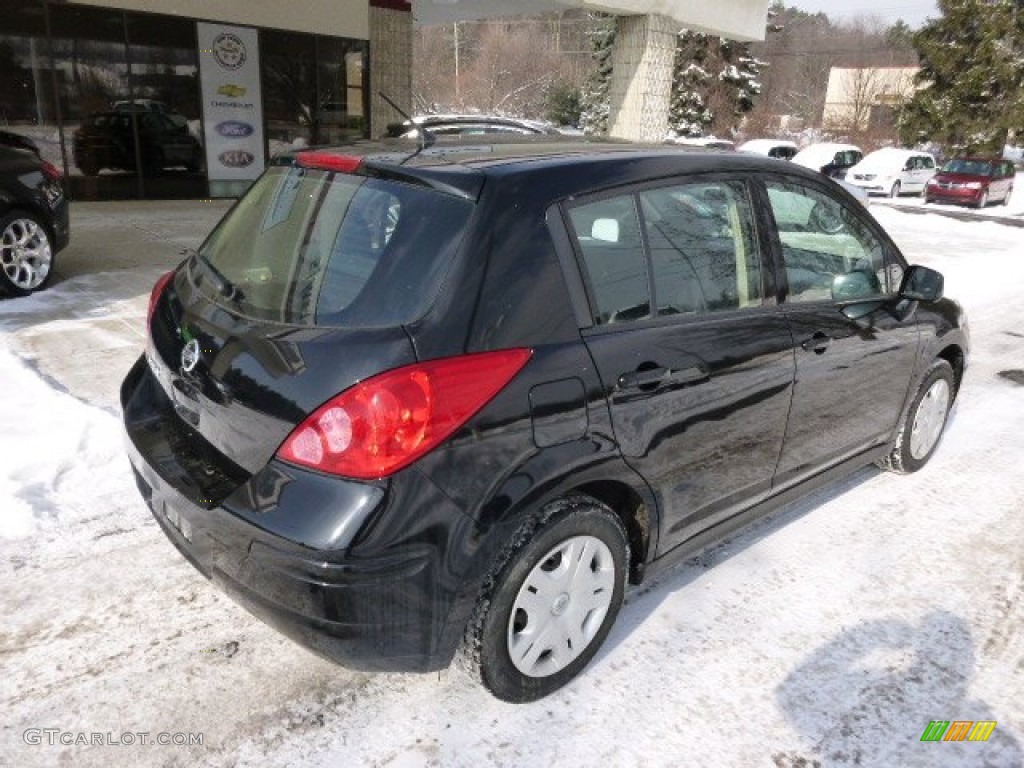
405 402
34 217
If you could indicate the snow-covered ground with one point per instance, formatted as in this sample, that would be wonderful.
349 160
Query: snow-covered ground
829 635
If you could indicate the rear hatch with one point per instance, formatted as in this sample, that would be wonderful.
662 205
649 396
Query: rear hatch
301 291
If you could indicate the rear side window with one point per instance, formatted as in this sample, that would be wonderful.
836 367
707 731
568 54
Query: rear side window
608 233
695 245
312 247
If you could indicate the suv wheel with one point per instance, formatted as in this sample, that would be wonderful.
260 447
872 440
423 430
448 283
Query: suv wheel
550 601
26 256
925 421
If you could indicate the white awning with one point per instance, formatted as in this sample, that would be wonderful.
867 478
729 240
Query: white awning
735 19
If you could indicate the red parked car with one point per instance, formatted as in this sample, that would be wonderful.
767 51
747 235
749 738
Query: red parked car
973 181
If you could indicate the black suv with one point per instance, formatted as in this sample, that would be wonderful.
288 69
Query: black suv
107 140
402 402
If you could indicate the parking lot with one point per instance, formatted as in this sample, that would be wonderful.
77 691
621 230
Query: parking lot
830 634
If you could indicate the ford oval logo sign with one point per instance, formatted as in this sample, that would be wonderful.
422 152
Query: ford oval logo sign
234 129
236 158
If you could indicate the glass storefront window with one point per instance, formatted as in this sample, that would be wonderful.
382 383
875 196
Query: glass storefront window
342 74
28 114
165 101
289 89
113 96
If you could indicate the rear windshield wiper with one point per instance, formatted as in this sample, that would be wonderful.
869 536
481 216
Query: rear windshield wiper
224 287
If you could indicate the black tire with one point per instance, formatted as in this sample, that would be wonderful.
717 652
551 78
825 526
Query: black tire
914 444
27 254
983 200
894 192
502 616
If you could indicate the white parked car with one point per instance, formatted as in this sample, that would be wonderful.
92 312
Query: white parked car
893 172
780 148
828 158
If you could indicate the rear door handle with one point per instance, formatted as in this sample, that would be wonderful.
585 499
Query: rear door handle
818 343
655 377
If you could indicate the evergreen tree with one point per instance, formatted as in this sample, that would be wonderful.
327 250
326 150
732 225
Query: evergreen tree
971 78
689 114
596 99
714 83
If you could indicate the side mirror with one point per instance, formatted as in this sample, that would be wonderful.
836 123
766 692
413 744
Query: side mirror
921 284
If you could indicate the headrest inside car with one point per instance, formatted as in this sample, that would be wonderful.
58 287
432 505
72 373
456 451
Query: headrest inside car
605 229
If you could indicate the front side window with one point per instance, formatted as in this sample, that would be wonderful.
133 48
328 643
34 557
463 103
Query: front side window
828 252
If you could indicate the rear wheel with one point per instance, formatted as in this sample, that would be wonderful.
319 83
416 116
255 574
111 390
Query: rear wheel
916 441
550 602
26 255
1006 200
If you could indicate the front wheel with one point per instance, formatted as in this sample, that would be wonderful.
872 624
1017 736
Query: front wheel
895 191
26 254
983 200
916 441
550 602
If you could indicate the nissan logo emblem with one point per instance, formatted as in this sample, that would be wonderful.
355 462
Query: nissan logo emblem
190 356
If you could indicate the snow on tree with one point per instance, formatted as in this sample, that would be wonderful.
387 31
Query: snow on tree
703 102
596 97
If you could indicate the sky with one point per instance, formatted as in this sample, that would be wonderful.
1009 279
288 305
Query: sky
913 12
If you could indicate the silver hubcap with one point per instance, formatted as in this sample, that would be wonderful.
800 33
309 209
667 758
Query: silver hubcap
929 419
25 254
561 606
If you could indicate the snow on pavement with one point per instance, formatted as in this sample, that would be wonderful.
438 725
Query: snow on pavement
829 634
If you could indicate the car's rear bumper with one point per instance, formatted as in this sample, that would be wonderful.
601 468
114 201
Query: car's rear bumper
364 605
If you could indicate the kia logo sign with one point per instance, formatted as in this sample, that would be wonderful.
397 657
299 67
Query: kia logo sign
236 158
234 129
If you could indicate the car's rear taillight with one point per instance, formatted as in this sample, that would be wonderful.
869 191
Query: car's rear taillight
154 296
51 171
386 422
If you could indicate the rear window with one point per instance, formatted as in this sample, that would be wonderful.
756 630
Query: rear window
312 247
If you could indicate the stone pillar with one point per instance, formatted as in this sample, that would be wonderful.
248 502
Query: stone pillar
390 62
641 85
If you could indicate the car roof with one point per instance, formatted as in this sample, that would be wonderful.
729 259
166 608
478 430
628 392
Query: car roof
461 166
755 144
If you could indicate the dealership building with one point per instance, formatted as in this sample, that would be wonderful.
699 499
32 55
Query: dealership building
191 98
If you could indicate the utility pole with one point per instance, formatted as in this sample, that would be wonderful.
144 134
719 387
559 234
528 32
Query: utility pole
458 98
